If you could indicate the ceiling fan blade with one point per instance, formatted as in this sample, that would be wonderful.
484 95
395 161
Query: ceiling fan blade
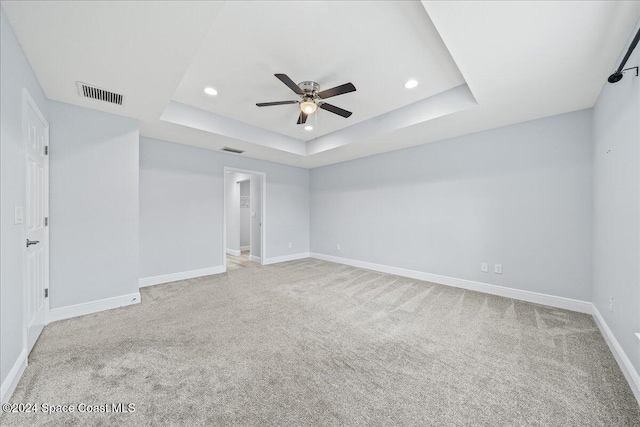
302 119
269 104
338 90
286 80
336 110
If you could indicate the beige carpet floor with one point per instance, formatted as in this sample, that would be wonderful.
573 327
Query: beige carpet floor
309 343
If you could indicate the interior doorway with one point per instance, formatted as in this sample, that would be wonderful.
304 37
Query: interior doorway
244 213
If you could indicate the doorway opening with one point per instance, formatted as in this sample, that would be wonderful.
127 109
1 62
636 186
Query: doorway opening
244 213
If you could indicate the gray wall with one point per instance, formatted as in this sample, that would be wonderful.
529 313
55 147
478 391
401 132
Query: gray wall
518 195
181 210
15 74
616 207
93 205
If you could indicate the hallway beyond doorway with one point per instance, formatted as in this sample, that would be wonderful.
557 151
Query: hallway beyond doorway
235 262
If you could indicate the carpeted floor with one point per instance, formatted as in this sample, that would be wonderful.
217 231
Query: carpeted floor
314 343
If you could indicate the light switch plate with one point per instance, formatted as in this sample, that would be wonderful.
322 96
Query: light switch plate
484 267
19 215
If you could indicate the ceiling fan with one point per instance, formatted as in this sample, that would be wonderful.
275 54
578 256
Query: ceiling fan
311 97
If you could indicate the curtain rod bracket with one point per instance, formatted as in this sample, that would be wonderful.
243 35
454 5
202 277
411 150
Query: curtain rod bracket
617 76
632 68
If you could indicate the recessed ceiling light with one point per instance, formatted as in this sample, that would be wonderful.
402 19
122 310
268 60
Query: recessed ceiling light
308 127
210 91
411 84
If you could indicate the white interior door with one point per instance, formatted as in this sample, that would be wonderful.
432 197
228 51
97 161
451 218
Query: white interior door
36 139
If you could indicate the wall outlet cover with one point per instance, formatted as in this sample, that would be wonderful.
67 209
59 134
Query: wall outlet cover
497 268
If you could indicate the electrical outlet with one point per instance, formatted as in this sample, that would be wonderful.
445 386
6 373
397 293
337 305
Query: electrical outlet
497 268
484 267
338 246
610 303
290 245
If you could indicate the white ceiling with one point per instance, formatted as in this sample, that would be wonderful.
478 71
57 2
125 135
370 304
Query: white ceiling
136 48
521 61
330 43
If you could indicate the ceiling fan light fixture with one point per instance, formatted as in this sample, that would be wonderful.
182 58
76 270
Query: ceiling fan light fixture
308 128
210 91
312 98
308 107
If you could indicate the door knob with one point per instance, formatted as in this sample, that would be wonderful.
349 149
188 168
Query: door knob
32 242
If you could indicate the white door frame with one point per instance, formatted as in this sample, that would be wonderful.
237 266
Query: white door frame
28 102
263 210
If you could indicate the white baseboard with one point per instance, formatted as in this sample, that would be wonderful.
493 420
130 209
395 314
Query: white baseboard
621 357
245 248
254 258
285 258
183 275
535 297
233 252
92 307
10 383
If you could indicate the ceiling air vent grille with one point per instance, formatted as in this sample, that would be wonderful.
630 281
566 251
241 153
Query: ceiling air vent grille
93 92
231 150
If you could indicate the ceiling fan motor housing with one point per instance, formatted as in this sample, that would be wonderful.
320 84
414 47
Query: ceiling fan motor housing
309 88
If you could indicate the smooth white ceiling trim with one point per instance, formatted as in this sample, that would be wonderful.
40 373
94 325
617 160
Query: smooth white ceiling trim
442 104
196 118
448 102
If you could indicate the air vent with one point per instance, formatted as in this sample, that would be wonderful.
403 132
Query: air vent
93 92
231 150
